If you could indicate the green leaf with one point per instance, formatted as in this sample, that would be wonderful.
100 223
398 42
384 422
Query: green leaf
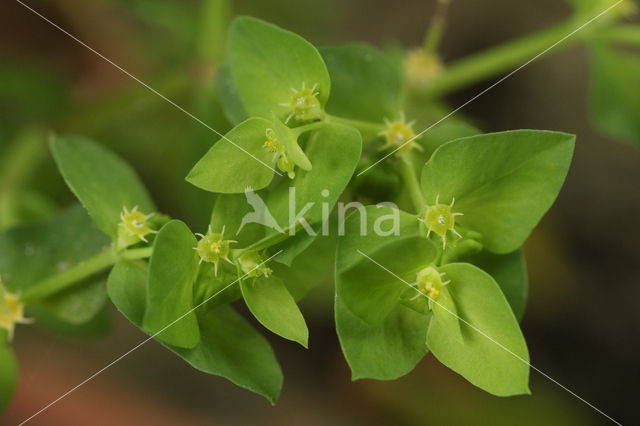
232 167
172 271
102 181
364 83
510 272
8 373
230 347
615 93
35 252
334 152
267 62
445 314
228 213
366 288
127 288
290 142
493 355
270 302
228 96
383 351
503 183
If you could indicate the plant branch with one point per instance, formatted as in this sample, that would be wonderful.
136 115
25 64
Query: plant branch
411 180
82 270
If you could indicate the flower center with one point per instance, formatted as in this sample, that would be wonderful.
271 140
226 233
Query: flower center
304 104
439 218
400 134
212 248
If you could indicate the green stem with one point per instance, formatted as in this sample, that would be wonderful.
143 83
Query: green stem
270 240
436 28
365 127
411 180
506 57
82 270
626 34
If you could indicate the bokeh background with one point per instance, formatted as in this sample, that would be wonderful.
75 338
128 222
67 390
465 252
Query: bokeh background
582 322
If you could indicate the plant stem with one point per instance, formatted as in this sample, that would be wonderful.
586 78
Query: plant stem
626 34
307 127
499 59
82 270
436 28
411 180
365 127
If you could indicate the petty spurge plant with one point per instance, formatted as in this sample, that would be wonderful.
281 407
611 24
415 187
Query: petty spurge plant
428 260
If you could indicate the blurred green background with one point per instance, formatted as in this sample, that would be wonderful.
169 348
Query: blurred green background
583 315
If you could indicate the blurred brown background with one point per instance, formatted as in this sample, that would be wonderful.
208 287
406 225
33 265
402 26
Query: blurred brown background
582 323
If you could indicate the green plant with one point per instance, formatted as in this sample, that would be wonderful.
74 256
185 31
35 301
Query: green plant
312 127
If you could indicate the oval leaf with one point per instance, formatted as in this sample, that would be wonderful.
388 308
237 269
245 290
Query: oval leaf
267 62
102 181
232 167
503 183
172 271
493 354
272 304
383 351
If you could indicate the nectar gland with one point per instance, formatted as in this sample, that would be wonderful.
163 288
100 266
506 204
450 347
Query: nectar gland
400 134
133 227
429 283
440 219
11 311
273 145
253 266
212 247
304 104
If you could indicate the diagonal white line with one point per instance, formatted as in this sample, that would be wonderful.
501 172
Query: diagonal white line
492 86
97 373
151 89
496 342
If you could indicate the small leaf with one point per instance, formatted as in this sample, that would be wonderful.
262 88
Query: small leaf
503 183
384 351
446 315
510 272
230 347
172 271
270 302
229 214
365 85
102 181
8 372
236 161
127 288
267 62
366 288
290 142
615 92
80 303
493 355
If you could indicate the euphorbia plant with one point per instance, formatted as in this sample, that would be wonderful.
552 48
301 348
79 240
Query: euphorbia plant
433 263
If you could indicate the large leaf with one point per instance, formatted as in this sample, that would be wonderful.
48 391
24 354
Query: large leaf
102 181
228 95
270 302
503 183
172 271
510 272
230 347
364 83
493 354
127 288
366 288
267 62
615 92
8 372
383 351
33 253
236 161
